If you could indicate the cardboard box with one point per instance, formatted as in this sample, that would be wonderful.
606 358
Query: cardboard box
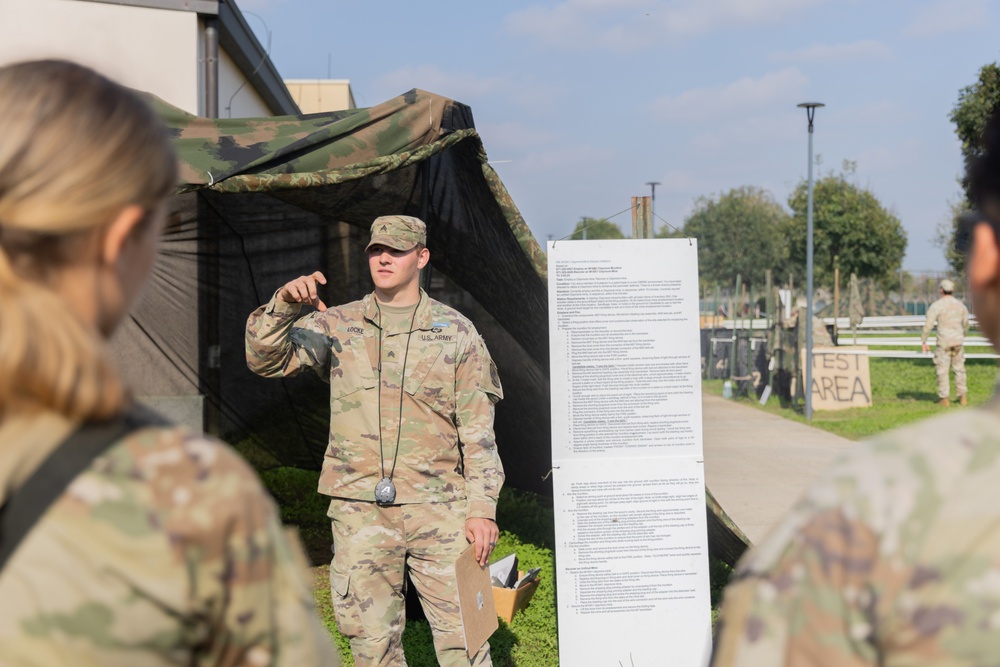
509 601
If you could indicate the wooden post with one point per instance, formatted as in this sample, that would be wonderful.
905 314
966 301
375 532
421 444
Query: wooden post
711 338
642 218
768 297
836 294
732 349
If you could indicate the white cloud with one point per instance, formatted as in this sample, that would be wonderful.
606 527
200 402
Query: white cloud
873 113
684 181
772 129
465 86
877 159
427 77
948 16
746 94
512 136
866 50
571 158
627 25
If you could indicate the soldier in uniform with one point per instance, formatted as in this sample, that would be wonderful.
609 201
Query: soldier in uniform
412 467
164 549
893 556
952 320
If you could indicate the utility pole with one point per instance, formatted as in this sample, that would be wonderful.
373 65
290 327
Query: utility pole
810 108
642 218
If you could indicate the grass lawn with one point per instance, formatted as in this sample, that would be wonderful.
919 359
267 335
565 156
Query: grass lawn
903 391
527 528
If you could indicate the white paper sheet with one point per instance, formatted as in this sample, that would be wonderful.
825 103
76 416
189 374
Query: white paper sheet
631 540
625 348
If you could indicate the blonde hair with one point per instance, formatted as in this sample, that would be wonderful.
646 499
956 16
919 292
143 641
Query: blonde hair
75 149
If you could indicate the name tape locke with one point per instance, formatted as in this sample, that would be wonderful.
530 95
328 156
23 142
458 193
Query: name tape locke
412 467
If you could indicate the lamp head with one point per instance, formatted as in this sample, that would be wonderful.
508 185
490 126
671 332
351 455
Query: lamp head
810 108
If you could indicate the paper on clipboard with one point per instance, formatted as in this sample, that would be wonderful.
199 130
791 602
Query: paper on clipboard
475 601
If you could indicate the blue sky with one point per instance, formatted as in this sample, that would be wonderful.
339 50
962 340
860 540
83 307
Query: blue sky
581 102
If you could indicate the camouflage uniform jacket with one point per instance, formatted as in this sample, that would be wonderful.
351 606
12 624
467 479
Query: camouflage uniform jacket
447 449
165 551
952 319
892 558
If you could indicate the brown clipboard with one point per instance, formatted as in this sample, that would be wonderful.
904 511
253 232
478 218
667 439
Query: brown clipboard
475 601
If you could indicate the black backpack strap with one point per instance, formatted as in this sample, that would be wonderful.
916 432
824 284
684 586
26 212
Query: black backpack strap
27 504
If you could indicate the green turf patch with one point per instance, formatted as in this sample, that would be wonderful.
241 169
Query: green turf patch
903 391
527 528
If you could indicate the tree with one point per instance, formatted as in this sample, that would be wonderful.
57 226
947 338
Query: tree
976 105
740 232
596 228
944 236
849 222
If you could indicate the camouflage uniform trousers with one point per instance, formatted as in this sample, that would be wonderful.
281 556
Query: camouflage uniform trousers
954 357
373 546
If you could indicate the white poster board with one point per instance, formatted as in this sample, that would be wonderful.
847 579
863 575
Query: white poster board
629 482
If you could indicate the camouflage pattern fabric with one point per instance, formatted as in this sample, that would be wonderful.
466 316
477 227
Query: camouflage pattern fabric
367 578
891 558
952 320
530 246
240 155
946 358
784 341
166 551
447 448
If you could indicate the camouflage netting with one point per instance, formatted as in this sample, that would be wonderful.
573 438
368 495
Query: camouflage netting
266 200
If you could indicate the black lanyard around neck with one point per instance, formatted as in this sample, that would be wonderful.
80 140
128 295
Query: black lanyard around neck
385 490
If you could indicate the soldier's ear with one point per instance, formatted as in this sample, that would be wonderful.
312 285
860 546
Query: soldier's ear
984 260
423 257
122 227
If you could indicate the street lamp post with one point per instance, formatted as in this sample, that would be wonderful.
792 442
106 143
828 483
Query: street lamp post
652 200
810 108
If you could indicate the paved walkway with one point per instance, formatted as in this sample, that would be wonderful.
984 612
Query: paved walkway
757 464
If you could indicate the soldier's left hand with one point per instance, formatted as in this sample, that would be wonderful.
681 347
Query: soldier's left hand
483 533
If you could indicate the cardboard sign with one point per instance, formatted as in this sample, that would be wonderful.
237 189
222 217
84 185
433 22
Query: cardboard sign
840 378
475 601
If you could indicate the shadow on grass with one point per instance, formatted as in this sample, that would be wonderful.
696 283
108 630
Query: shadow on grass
928 396
418 645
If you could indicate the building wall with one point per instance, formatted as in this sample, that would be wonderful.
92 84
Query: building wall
148 49
316 95
247 103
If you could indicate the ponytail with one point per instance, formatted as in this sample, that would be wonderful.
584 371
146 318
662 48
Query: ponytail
48 358
77 148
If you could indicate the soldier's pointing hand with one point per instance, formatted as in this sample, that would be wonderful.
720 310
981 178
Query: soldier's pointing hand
303 290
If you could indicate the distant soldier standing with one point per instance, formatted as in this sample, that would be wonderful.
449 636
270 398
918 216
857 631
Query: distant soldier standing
952 320
412 465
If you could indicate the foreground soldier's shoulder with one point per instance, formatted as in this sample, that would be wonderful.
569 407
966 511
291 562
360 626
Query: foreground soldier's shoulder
180 464
444 316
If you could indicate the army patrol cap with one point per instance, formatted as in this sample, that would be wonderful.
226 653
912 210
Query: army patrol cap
947 286
399 232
